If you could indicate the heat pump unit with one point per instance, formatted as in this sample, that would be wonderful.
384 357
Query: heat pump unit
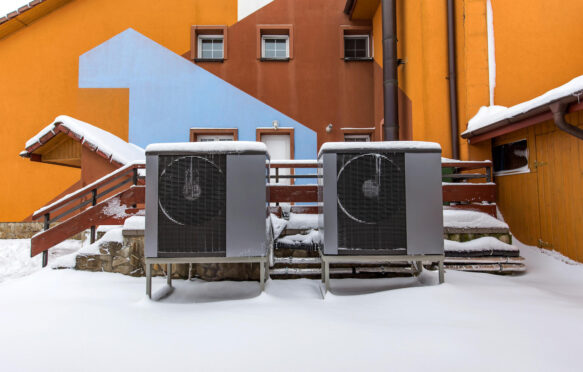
206 200
381 198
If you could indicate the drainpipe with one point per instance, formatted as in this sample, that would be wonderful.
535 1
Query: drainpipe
559 110
452 77
390 83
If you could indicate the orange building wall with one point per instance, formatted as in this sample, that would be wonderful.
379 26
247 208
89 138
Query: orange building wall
538 50
39 80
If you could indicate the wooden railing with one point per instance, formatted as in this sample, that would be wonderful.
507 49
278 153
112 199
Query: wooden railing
465 191
89 196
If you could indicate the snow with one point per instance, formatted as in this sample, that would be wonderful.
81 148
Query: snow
92 185
491 50
379 146
278 224
461 219
312 237
490 115
447 160
301 221
486 243
15 260
295 161
135 223
71 321
216 146
113 235
113 146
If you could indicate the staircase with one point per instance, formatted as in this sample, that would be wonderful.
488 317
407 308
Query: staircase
107 201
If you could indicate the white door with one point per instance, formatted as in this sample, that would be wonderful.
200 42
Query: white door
279 148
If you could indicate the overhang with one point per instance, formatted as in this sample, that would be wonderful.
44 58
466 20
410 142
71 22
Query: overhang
25 15
361 9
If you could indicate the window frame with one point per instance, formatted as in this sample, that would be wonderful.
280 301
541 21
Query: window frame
195 132
205 30
366 136
521 170
202 37
368 48
275 37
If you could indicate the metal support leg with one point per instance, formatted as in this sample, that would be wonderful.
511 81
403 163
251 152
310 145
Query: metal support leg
419 265
169 275
322 270
149 280
45 258
262 275
441 272
327 275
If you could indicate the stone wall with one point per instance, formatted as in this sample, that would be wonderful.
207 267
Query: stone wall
19 230
128 258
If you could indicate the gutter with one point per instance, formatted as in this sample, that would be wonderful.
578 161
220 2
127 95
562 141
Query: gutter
452 77
390 63
532 117
559 110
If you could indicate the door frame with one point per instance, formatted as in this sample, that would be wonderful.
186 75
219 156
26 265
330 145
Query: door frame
279 131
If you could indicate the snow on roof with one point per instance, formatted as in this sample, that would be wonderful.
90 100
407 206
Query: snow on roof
489 115
114 147
214 146
380 146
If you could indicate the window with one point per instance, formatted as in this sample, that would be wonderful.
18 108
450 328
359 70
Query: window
208 43
213 134
511 158
210 46
357 138
356 47
275 46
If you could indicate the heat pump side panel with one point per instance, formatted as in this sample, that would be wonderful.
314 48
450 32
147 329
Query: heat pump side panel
151 233
330 204
424 203
246 206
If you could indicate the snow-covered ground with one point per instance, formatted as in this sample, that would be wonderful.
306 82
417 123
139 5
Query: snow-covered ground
66 320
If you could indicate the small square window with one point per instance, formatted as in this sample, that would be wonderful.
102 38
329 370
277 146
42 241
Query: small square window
357 138
511 158
275 46
356 47
210 47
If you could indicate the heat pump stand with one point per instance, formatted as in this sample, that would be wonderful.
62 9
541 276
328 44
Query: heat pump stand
419 259
263 264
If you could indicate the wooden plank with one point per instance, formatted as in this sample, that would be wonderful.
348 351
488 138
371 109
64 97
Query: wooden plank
469 192
306 209
484 208
94 216
293 193
467 165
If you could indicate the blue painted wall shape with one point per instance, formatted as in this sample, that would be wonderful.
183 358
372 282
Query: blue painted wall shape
168 95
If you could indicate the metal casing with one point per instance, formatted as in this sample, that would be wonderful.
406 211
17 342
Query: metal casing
246 229
423 200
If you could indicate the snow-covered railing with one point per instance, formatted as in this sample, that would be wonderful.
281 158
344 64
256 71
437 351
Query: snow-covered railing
91 194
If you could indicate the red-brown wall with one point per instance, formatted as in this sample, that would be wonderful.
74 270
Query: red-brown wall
316 86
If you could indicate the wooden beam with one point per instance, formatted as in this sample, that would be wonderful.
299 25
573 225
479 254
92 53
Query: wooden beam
293 193
469 192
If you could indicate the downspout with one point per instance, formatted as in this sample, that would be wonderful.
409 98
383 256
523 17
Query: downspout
390 62
452 77
559 110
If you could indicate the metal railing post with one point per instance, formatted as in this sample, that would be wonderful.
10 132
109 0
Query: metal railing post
135 181
488 174
277 180
93 203
46 226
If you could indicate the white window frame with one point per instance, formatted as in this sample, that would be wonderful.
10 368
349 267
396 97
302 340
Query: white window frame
364 36
357 136
278 37
209 37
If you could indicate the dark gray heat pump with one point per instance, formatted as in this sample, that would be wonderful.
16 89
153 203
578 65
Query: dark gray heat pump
206 200
381 198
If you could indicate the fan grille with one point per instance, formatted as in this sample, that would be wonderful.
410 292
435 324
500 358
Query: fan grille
371 203
191 207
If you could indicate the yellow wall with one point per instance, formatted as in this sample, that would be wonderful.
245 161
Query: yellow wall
39 79
538 47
